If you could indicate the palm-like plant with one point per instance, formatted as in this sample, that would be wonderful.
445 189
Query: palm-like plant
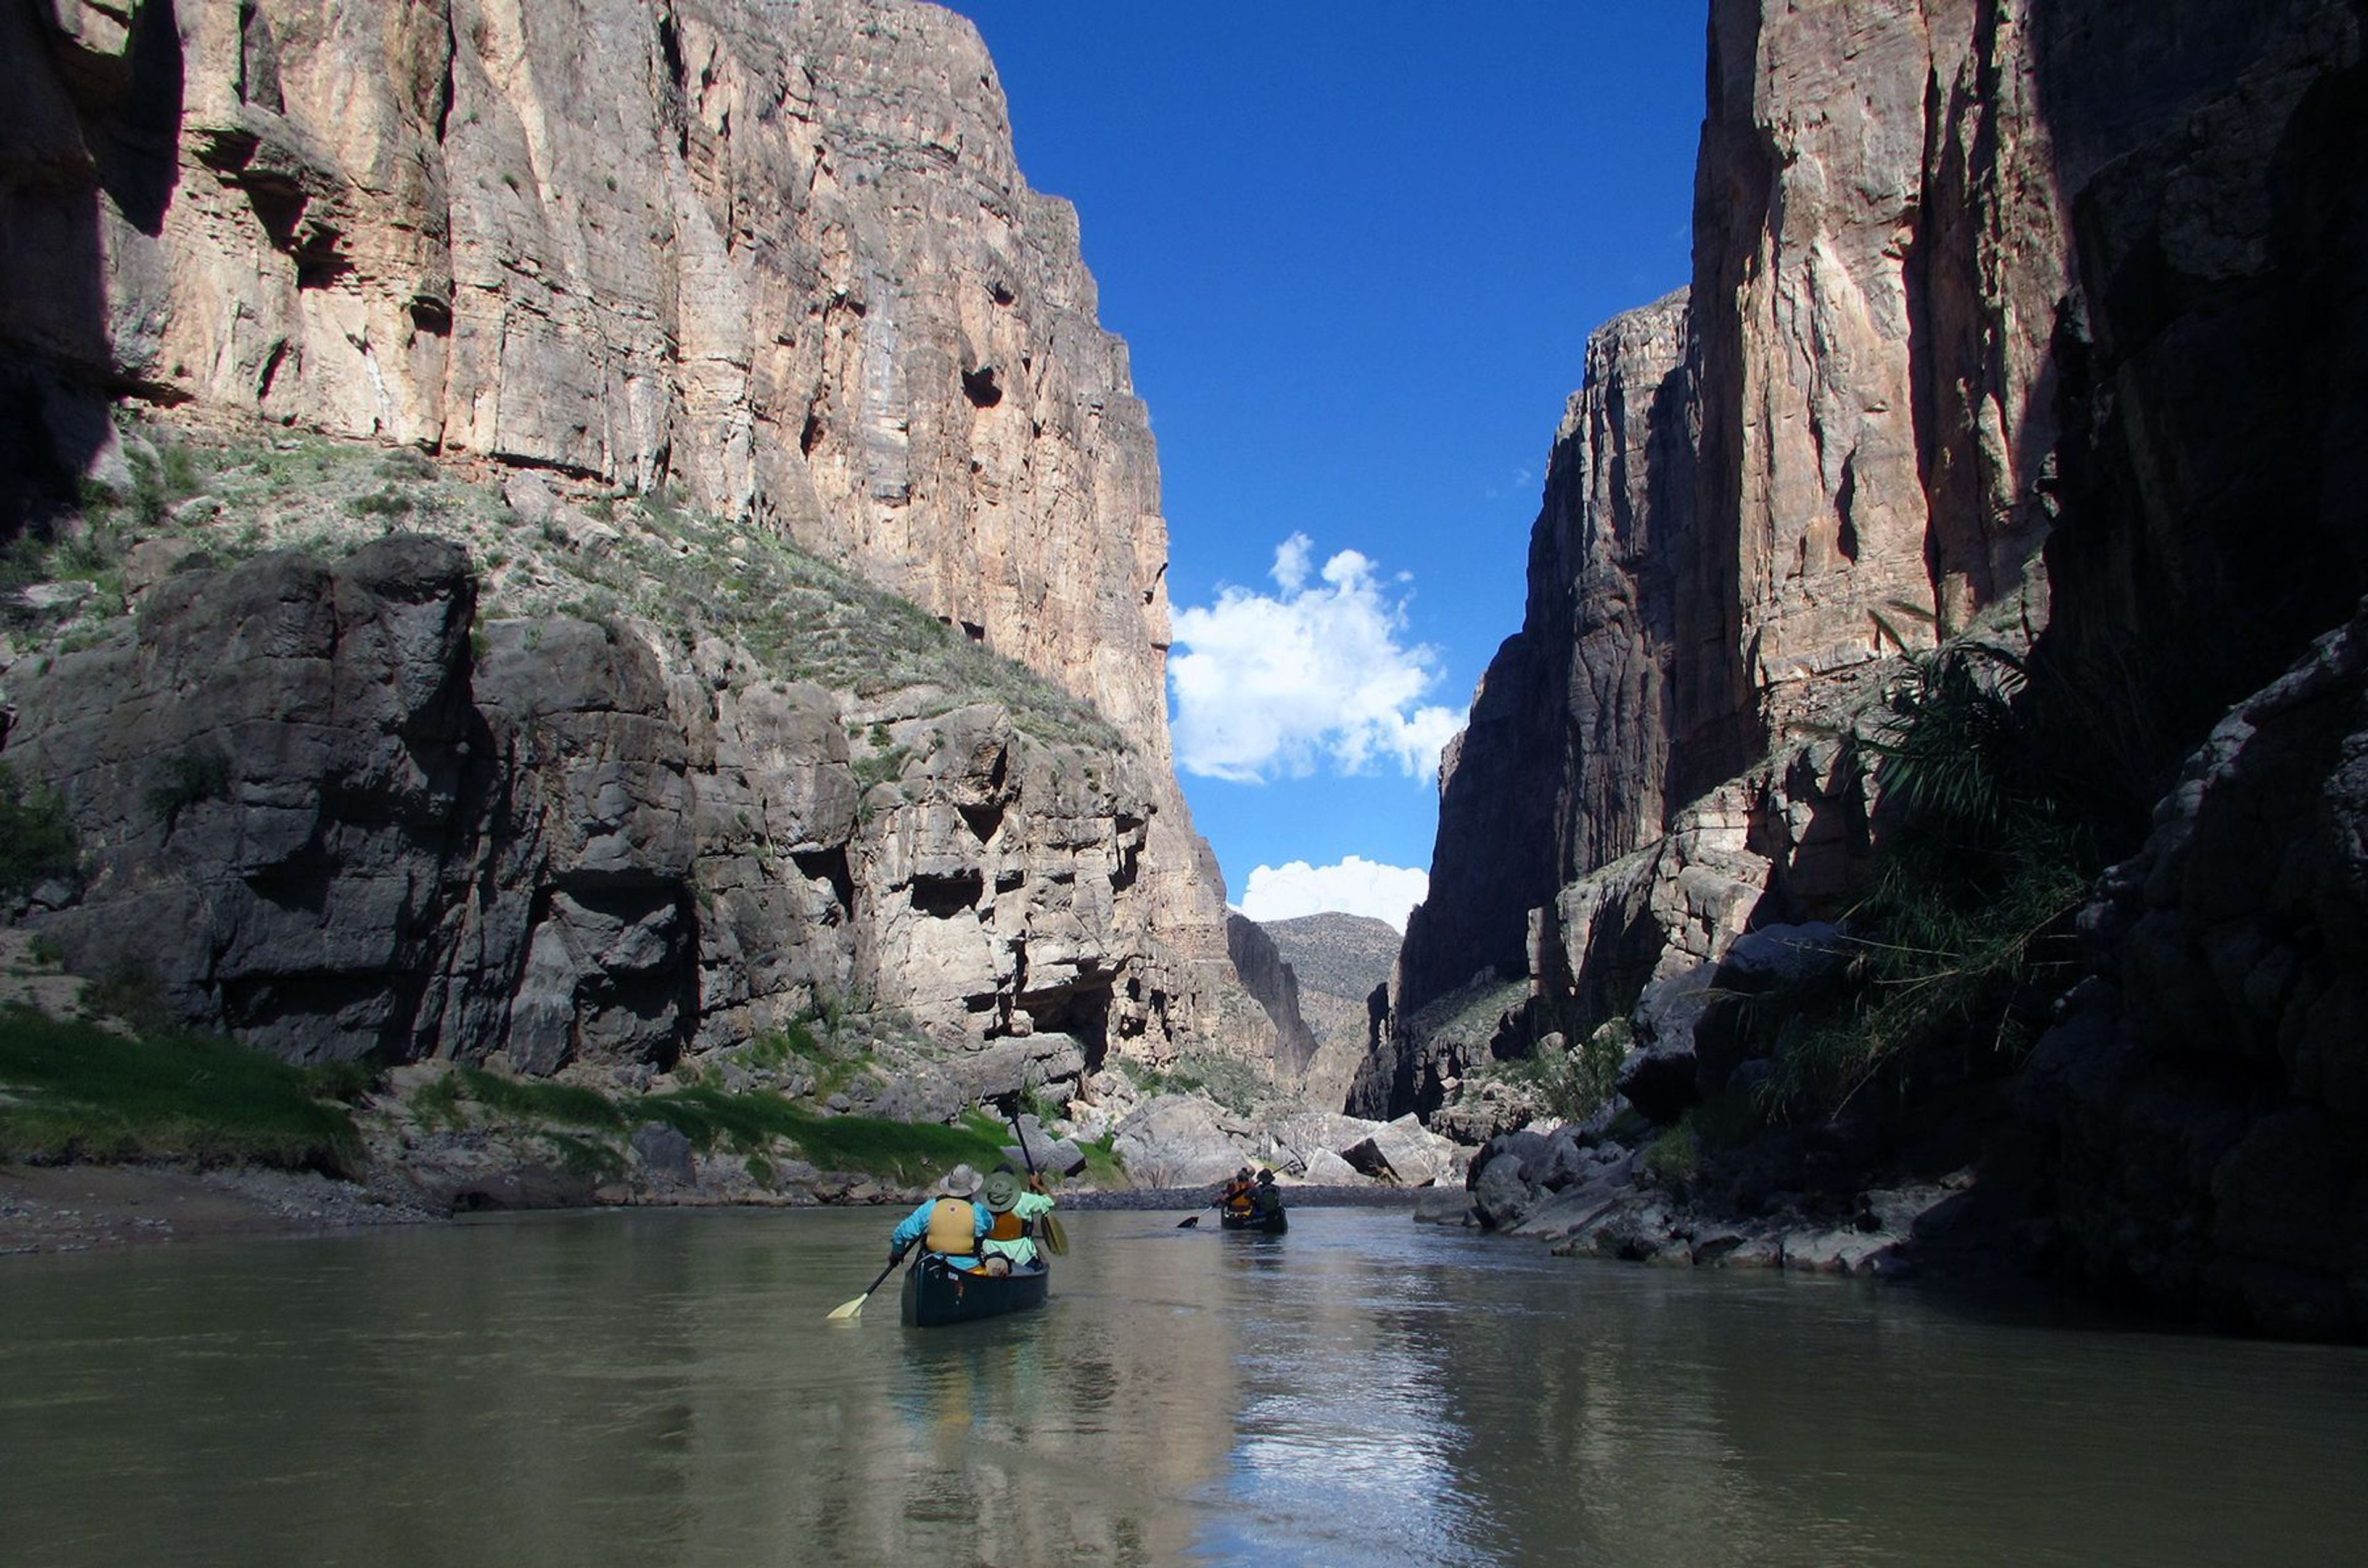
1949 749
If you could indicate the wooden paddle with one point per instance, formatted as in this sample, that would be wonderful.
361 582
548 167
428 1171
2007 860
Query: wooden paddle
855 1307
1056 1240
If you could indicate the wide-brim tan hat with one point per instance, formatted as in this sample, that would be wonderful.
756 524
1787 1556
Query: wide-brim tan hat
961 1182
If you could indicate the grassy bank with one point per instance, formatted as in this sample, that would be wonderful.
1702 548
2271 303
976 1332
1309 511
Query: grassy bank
71 1090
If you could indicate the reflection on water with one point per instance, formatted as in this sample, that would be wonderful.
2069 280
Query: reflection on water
661 1388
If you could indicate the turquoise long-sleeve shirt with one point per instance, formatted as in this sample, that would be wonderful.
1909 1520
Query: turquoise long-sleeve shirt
917 1224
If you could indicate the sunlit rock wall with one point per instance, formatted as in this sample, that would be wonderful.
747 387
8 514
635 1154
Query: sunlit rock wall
776 257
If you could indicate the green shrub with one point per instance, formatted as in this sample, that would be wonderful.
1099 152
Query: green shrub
533 1099
1232 1082
883 768
582 1156
127 989
348 1082
1574 1083
1979 874
1103 1166
436 1102
386 503
1675 1157
37 840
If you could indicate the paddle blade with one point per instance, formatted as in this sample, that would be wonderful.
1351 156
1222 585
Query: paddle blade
1056 1240
1187 1225
841 1314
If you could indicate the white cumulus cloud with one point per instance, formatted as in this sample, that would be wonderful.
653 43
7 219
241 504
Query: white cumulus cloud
1269 684
1354 886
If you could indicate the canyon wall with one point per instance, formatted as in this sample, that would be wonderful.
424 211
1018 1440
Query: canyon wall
1826 450
770 262
2034 318
317 811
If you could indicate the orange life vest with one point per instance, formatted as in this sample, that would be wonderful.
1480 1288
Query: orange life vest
1006 1226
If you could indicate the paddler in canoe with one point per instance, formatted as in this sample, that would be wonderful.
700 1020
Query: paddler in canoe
956 1278
1013 1213
1233 1201
948 1224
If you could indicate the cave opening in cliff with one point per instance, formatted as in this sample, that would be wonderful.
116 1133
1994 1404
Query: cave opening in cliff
1082 1013
942 898
979 387
829 866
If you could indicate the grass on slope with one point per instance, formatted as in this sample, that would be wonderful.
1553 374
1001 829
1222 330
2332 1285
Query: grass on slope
71 1090
757 1124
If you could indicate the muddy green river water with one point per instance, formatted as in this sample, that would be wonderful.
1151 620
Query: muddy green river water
661 1388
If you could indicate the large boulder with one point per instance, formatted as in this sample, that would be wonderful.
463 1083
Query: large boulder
1176 1141
1401 1152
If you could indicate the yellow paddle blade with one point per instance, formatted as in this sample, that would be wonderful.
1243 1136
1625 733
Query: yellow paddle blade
1056 1240
841 1314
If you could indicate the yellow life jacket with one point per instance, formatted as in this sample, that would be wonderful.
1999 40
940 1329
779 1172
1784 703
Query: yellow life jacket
1004 1227
953 1230
1237 1197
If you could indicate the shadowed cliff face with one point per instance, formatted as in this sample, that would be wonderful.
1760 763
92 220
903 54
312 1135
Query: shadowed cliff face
2033 316
2218 439
1564 762
2200 1128
92 110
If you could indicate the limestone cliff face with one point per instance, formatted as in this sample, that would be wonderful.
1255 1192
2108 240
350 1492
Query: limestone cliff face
774 260
1879 260
777 255
1828 448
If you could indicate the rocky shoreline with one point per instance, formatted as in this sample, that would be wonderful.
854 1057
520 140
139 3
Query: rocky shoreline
78 1208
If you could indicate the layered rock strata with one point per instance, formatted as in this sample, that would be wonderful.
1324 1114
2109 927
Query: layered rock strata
1342 964
320 813
775 262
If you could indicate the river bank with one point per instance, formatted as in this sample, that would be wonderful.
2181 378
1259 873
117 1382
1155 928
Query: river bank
84 1208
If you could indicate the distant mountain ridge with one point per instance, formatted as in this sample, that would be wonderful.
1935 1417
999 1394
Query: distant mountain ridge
1341 959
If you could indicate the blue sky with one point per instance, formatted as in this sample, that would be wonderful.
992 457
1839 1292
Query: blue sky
1355 247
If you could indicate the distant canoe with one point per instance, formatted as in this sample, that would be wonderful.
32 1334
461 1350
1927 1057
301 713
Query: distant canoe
1273 1223
935 1294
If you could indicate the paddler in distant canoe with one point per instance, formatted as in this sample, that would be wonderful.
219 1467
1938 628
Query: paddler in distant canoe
1235 1198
